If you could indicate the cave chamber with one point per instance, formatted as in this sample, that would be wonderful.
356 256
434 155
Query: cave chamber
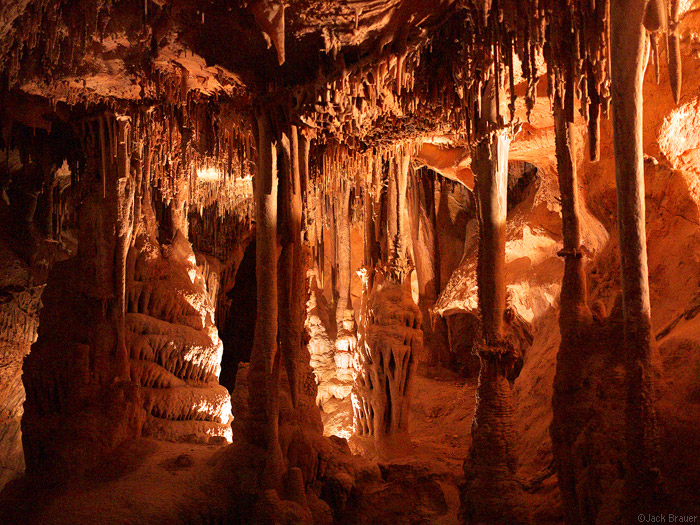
349 262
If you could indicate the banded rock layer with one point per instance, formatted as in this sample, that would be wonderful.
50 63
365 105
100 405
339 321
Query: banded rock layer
174 347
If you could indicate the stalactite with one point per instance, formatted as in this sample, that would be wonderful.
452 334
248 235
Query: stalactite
124 230
346 338
343 250
673 52
396 225
264 359
627 47
368 230
137 162
424 242
103 154
593 117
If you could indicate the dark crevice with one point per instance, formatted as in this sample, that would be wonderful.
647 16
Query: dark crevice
238 329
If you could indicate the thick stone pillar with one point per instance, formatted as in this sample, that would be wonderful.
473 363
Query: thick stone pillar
492 493
263 377
628 37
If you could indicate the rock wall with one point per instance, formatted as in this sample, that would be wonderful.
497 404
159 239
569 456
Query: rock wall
20 301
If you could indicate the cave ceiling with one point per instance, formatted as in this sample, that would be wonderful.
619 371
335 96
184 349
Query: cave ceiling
367 73
128 50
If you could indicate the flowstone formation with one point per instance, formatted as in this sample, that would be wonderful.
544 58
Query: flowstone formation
174 347
171 390
385 364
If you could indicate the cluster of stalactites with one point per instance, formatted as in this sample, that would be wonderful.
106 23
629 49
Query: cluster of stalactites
224 217
578 61
186 141
41 31
436 84
62 41
168 146
367 174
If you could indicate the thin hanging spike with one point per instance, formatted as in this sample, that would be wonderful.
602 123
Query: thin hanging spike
593 117
511 78
103 155
674 53
583 96
110 136
497 78
655 56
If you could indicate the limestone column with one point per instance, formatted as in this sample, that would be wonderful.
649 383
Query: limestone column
574 317
263 376
492 493
291 283
628 37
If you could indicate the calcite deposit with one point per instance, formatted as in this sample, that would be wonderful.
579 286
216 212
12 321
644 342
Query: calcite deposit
349 262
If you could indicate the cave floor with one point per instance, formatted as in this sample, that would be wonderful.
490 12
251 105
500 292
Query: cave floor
422 484
149 482
420 481
163 482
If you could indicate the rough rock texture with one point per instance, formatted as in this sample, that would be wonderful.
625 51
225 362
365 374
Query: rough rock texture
533 269
147 105
322 349
174 348
385 364
20 301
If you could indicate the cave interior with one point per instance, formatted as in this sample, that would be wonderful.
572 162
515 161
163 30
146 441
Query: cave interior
353 262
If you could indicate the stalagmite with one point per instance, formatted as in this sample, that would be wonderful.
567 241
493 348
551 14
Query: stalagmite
627 47
265 359
385 363
490 468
